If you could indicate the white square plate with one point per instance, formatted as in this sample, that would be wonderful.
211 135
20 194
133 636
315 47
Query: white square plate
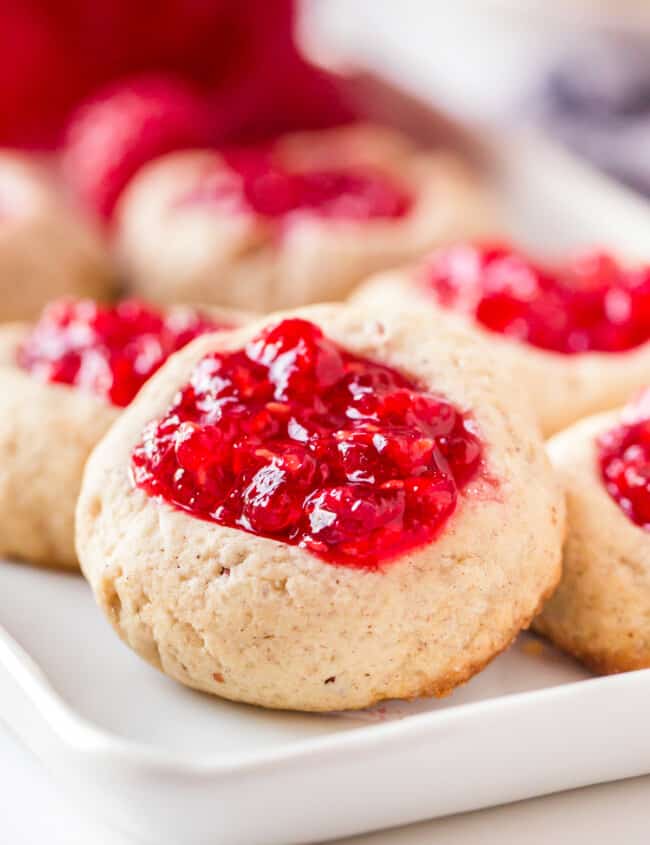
174 767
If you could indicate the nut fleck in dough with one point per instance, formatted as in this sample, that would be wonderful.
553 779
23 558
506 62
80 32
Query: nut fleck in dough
561 388
46 251
195 253
47 432
600 611
256 620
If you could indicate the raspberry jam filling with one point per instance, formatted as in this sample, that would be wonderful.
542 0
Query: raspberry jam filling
624 458
257 184
108 350
295 439
591 304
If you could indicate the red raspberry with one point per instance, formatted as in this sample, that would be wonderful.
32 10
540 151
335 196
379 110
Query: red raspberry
112 135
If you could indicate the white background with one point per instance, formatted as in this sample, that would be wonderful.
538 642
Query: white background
34 812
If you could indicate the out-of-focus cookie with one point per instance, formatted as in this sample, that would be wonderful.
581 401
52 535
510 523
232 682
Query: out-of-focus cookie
574 336
322 510
601 608
46 250
63 381
301 220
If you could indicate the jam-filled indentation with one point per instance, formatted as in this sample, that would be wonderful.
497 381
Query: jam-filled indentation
296 439
590 304
624 461
108 350
253 181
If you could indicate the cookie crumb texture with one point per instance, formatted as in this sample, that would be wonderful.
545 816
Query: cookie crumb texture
294 438
254 619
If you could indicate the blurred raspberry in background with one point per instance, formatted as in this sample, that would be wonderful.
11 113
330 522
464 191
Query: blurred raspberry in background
53 53
117 82
113 133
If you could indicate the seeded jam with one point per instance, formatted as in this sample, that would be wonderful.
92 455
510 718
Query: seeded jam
256 183
295 439
624 457
591 304
108 350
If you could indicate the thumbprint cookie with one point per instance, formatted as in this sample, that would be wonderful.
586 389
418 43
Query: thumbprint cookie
601 609
300 220
64 380
322 510
575 335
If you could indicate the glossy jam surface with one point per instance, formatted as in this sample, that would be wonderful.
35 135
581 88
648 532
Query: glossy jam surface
258 184
591 304
295 439
108 350
624 456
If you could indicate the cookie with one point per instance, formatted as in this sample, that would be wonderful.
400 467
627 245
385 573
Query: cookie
600 610
575 337
322 510
300 221
64 381
46 250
